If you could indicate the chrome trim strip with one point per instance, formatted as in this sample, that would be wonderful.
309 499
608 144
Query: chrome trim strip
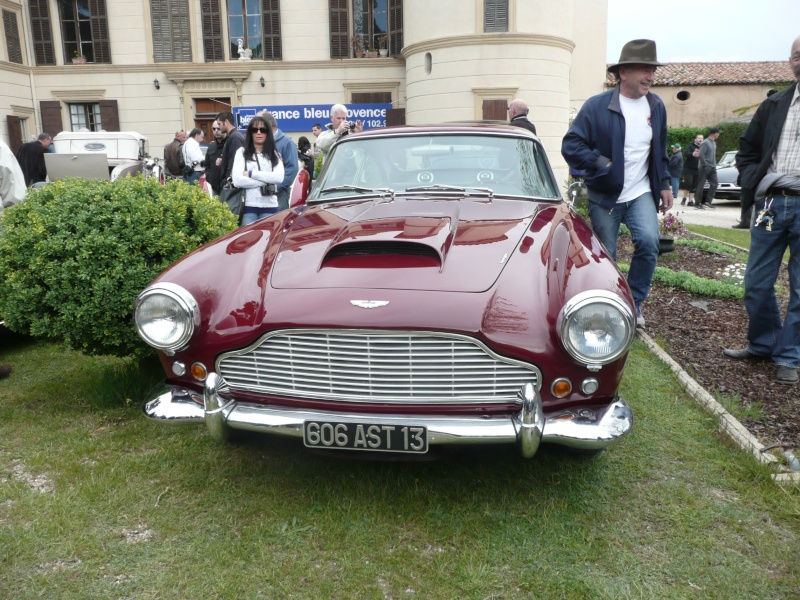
527 429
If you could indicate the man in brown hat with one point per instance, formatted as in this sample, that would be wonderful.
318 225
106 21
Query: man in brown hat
619 138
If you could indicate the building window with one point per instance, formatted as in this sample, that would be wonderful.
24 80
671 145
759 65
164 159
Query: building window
85 116
43 50
170 19
495 15
257 23
11 29
369 24
84 29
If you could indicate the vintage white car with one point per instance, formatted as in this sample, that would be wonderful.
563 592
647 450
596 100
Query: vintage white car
100 154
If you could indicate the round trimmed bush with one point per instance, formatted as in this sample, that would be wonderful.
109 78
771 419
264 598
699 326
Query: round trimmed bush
76 253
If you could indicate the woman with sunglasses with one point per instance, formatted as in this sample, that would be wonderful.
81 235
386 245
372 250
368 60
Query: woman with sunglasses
257 165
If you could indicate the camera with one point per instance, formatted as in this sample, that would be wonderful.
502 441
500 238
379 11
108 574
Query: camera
269 189
352 126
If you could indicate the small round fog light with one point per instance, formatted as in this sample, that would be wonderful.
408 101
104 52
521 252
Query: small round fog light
589 386
178 368
561 387
199 371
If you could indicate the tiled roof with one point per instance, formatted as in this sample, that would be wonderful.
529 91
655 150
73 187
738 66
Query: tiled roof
721 73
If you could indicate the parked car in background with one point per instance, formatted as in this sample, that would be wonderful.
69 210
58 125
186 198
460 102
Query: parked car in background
433 290
727 174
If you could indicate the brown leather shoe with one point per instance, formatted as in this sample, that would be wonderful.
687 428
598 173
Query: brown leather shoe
742 354
5 371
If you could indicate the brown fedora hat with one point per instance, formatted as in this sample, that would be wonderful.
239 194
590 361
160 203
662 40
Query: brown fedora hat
637 52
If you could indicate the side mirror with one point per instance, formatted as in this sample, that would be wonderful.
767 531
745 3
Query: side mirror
574 191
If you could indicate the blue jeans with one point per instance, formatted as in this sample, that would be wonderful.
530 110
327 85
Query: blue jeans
676 182
641 217
252 214
283 198
766 334
194 177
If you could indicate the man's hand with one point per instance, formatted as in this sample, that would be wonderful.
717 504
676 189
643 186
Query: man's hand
666 200
359 127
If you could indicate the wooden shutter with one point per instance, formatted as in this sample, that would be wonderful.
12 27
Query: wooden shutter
212 30
271 29
371 97
340 40
495 15
395 116
11 28
99 23
495 110
109 115
42 34
14 132
396 29
170 26
51 117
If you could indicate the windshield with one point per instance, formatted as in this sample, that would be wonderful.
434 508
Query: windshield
436 163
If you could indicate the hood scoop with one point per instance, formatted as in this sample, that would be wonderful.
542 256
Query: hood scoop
375 254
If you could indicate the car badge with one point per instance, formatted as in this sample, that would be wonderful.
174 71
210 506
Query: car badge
369 303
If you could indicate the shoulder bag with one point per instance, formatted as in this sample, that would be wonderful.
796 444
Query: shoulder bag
234 197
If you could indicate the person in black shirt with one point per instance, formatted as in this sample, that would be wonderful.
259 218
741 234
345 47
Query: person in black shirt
30 157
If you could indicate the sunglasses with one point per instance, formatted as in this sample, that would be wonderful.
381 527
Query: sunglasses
215 129
258 130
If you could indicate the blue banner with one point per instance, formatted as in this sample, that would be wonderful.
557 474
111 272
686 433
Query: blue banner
300 117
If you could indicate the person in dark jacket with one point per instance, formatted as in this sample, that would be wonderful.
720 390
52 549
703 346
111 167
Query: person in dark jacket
305 155
675 166
214 152
30 157
769 174
172 153
619 138
233 141
518 115
690 164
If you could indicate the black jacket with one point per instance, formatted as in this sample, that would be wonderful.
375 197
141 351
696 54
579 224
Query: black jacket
213 172
30 157
758 142
522 121
234 141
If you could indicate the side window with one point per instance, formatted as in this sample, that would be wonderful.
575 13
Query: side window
495 15
256 24
85 117
170 20
363 25
84 29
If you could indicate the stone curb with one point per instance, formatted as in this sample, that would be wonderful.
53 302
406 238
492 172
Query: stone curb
728 424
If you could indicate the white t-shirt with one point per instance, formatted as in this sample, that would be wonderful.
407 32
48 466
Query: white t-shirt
638 137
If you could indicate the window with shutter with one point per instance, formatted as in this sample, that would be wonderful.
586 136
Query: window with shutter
271 18
375 24
495 110
42 35
11 29
84 30
170 21
212 30
495 16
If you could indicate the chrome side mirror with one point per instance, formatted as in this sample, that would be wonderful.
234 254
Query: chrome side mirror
574 191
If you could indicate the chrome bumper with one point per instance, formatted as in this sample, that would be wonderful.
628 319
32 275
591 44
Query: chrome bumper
584 429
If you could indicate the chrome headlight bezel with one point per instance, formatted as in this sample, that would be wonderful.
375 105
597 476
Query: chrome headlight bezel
573 307
187 311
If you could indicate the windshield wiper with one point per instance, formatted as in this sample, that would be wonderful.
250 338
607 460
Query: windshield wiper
356 188
449 188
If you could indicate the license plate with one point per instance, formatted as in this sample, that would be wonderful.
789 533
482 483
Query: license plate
365 436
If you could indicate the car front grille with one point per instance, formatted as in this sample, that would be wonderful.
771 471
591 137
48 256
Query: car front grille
376 366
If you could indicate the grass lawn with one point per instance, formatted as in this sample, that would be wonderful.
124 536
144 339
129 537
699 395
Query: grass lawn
98 502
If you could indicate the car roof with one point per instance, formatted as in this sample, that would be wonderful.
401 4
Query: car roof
460 127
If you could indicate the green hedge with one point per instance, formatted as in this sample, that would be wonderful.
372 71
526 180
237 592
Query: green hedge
728 138
76 253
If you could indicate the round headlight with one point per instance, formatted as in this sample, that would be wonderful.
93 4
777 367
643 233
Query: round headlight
596 327
166 316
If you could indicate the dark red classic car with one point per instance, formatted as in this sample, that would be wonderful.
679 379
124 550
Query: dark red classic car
435 289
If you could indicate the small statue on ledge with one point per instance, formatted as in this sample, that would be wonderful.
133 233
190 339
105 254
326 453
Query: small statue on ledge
244 53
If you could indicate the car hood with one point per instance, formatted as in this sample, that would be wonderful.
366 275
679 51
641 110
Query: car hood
401 244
